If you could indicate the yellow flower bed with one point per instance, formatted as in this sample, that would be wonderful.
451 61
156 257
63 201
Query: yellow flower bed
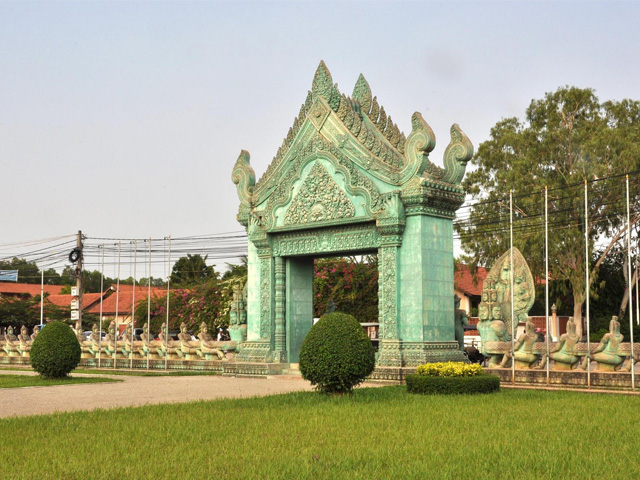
450 369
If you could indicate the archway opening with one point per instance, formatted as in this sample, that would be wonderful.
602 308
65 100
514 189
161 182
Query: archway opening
317 285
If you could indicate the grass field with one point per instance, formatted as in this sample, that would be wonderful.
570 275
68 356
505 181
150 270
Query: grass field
374 434
144 373
17 381
139 373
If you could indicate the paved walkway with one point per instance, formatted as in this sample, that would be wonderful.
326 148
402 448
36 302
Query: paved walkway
134 391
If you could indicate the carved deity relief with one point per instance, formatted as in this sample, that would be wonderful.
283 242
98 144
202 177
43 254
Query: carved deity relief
319 199
496 291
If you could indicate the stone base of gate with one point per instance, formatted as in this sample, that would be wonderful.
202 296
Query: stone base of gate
256 351
563 378
399 353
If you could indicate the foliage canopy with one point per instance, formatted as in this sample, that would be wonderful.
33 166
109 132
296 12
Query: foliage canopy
568 138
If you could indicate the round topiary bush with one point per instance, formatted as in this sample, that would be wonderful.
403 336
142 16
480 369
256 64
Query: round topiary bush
55 351
336 355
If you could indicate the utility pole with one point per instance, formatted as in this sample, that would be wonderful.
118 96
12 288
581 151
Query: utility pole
79 280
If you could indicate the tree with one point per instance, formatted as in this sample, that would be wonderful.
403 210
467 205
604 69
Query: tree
28 272
569 137
51 277
209 302
191 270
352 285
237 270
19 311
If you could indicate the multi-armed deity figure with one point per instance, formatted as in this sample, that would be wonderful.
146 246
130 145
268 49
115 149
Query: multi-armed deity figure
24 345
238 315
148 347
607 353
498 318
523 349
167 347
11 343
188 347
208 346
95 340
564 353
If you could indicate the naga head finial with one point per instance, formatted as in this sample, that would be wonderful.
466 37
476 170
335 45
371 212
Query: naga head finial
244 177
458 153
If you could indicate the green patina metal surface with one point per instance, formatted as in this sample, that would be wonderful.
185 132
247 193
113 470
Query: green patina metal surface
346 180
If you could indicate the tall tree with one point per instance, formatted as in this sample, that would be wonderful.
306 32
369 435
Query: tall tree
191 270
28 272
237 270
569 137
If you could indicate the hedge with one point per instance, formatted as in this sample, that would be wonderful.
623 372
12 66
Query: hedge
428 385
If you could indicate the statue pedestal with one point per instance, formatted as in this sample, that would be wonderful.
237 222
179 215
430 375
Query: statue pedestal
238 333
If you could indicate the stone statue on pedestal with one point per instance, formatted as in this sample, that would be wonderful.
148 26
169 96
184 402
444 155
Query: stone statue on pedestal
461 319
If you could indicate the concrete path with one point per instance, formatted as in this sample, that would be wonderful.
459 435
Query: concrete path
134 391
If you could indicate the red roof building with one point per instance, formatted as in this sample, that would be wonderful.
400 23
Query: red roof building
10 289
124 301
468 286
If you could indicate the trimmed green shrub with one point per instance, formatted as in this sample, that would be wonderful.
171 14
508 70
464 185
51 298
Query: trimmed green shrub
450 369
336 355
428 385
55 351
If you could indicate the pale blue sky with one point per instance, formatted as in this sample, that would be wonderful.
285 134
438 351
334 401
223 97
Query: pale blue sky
125 119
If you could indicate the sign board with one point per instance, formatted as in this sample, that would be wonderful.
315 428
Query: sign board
75 315
9 275
75 304
74 291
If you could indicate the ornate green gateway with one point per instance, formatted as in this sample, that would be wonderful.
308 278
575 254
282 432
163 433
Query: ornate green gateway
346 180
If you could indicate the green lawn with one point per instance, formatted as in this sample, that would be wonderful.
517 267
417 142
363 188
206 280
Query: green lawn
376 433
138 373
17 381
144 373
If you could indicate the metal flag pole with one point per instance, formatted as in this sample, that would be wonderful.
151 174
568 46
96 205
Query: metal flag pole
101 300
637 296
133 300
546 272
116 332
149 306
41 298
166 356
587 286
633 377
513 320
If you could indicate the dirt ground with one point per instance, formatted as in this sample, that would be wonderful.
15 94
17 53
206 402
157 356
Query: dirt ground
134 391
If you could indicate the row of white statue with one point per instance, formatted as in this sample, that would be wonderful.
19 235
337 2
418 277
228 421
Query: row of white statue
126 346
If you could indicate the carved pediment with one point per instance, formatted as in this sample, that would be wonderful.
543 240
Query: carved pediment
365 145
319 199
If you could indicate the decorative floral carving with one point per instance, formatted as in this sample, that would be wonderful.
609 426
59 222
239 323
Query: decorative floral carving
362 93
320 198
322 82
338 239
265 297
388 309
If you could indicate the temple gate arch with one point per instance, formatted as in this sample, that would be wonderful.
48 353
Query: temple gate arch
347 181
